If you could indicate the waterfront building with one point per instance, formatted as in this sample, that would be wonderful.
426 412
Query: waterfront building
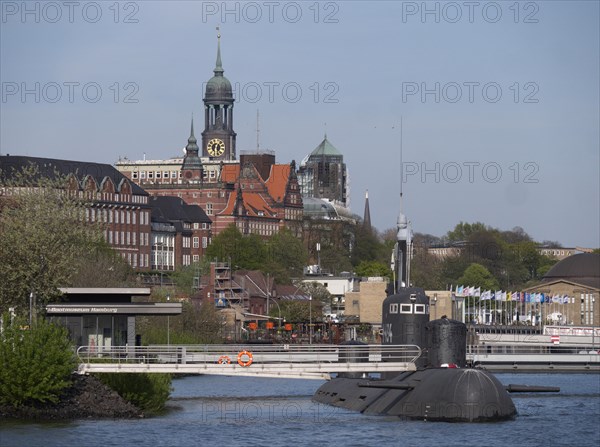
120 204
104 317
578 279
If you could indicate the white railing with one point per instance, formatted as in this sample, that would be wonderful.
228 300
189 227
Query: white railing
258 360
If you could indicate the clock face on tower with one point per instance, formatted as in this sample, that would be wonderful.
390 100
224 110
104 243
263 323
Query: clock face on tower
215 147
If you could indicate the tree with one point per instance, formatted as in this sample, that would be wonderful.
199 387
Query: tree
463 230
35 362
44 238
373 268
286 256
477 275
244 252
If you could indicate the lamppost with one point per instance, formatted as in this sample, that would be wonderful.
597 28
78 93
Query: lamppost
310 326
168 324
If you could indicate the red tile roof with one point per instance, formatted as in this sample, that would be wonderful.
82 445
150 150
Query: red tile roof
278 181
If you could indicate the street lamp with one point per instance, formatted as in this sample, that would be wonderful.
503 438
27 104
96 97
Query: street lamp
168 324
310 326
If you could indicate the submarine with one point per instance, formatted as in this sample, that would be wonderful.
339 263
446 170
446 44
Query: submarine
443 387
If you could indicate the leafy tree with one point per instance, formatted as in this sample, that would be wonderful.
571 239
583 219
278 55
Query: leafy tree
299 311
316 290
101 266
35 362
286 256
463 230
44 238
244 252
373 268
478 276
366 245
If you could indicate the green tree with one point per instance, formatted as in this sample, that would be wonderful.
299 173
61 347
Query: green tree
463 230
44 238
35 362
372 268
478 276
286 256
244 252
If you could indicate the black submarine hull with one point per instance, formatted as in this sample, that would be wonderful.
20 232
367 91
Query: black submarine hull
430 394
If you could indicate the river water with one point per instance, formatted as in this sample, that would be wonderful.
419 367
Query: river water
215 411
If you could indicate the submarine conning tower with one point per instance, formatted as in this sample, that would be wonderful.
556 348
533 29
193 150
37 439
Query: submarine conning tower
404 320
446 343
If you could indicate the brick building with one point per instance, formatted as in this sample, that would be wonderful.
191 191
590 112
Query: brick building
180 233
254 193
120 204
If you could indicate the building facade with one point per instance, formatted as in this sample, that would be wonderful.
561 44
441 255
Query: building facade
116 202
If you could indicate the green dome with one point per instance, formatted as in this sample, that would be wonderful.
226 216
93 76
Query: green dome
218 88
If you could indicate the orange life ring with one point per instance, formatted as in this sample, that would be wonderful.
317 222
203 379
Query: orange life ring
224 360
240 358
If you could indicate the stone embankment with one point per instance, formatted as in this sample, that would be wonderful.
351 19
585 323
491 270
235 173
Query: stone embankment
86 398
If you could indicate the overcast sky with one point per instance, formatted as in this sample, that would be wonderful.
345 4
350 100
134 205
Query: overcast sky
499 100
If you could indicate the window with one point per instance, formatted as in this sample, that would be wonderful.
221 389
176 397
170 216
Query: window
196 258
173 174
157 174
134 175
419 308
142 177
165 174
406 308
204 242
394 308
209 194
204 225
196 225
196 242
209 209
150 174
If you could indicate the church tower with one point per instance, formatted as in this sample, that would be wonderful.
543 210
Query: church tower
218 137
192 165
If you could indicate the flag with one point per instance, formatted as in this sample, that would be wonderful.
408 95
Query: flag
459 291
477 291
508 296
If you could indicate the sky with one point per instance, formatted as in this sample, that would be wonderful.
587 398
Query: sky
494 106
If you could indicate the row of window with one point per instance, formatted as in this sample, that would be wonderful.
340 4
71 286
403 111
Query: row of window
126 238
408 308
116 216
169 175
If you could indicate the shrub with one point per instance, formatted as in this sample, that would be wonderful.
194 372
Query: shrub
35 363
147 391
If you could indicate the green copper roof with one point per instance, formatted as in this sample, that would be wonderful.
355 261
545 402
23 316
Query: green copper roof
326 148
218 88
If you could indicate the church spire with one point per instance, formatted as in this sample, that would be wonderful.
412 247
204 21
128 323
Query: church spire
192 146
218 66
192 165
367 214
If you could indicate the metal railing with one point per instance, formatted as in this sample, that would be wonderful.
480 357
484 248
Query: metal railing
260 360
